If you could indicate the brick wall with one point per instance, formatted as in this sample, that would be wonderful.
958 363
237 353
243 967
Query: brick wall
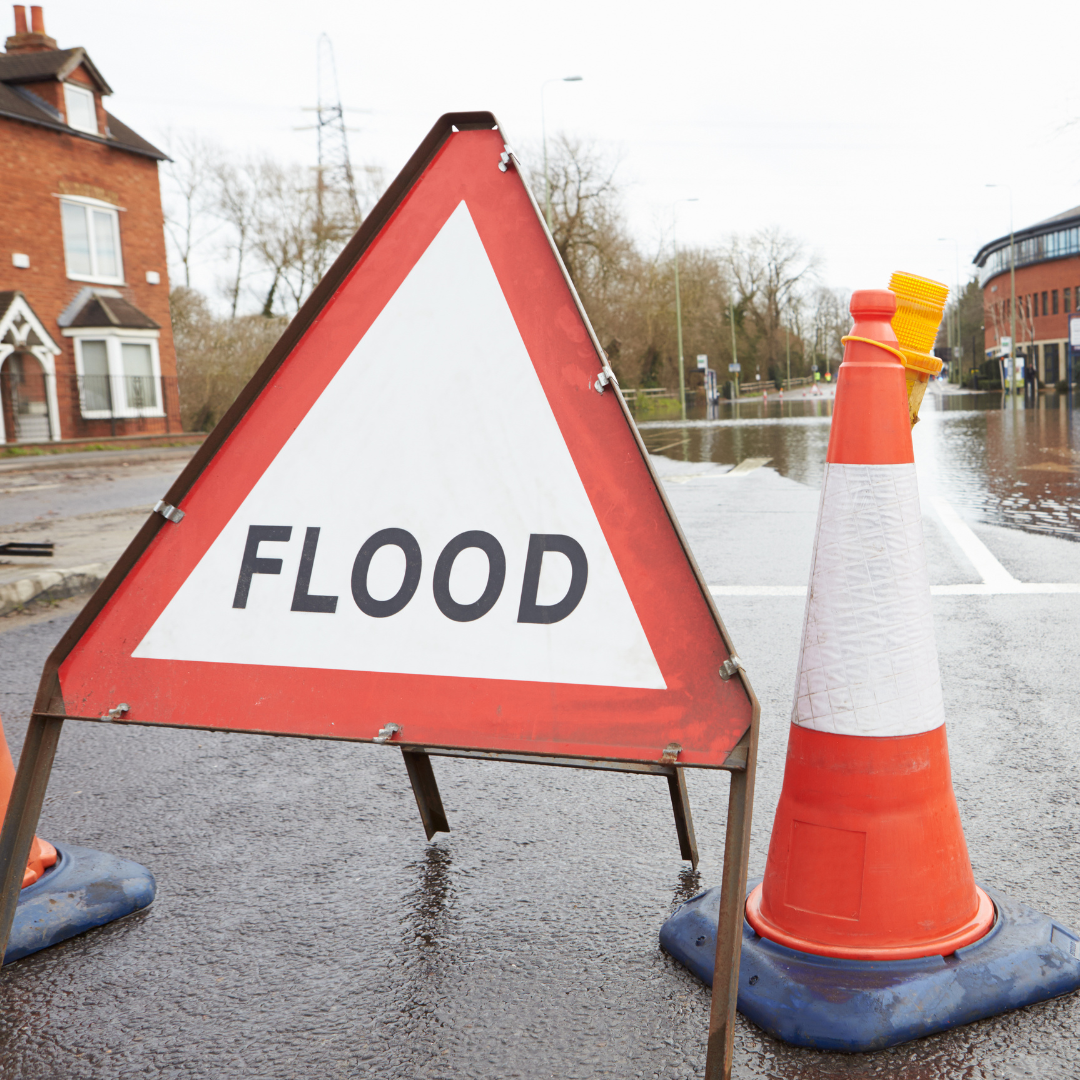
35 166
1059 274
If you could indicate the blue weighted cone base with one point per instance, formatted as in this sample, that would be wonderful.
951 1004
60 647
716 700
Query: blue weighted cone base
85 888
857 1005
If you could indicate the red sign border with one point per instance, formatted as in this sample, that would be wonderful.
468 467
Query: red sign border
49 701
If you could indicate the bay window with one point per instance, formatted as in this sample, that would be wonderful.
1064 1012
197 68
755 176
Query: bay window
119 373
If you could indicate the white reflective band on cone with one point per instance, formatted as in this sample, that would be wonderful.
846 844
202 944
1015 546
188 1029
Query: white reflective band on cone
868 664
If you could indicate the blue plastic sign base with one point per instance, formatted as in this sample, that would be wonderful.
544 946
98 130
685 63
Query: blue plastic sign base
857 1005
84 889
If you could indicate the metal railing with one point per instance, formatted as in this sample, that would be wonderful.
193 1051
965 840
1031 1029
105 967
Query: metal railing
88 406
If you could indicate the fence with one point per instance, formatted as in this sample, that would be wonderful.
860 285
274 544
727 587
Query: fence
36 406
633 396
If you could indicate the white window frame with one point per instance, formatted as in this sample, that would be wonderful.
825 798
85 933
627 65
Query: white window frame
87 205
81 91
114 339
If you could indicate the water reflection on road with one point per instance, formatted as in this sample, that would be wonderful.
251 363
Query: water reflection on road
1003 461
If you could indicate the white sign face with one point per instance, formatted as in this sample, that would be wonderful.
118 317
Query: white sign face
424 518
1074 331
702 362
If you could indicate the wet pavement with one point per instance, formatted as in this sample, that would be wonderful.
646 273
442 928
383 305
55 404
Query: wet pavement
303 927
88 510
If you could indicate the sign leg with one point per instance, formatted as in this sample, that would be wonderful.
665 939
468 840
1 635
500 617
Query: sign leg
684 823
428 800
27 795
725 989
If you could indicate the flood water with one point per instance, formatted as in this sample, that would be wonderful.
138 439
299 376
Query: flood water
1003 461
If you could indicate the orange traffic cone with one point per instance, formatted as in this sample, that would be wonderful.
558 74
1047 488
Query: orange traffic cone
42 853
868 929
868 859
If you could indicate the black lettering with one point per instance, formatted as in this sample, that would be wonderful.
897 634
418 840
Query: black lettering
380 609
529 611
302 600
252 564
496 576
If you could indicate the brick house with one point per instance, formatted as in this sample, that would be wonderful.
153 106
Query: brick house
1046 257
86 347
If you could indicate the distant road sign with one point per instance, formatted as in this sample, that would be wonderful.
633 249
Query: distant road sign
734 367
702 362
1074 331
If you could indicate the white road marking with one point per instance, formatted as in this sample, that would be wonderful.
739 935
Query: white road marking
986 566
1035 588
996 580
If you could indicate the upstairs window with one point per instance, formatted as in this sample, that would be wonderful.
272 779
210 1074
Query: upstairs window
92 242
79 106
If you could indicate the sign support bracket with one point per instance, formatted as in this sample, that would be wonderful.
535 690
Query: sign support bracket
426 790
684 822
24 809
433 816
725 989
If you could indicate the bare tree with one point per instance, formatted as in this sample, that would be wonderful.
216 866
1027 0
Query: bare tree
586 211
215 357
237 194
189 196
831 321
768 272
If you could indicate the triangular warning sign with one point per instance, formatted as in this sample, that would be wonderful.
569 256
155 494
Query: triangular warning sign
426 509
480 452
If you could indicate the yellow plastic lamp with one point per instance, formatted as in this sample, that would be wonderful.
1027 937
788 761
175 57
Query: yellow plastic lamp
920 305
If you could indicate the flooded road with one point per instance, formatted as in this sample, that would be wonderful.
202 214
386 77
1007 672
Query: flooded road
999 460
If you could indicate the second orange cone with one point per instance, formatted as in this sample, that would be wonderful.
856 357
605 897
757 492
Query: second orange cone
868 859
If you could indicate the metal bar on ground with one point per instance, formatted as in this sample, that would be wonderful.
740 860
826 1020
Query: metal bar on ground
24 809
725 988
426 790
684 822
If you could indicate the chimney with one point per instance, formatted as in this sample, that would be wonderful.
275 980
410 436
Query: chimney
33 40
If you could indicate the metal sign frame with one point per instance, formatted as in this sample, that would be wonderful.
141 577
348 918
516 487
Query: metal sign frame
47 719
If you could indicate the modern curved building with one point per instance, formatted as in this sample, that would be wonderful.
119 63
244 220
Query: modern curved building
1047 292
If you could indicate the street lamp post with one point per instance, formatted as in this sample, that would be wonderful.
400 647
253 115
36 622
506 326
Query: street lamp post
678 303
1012 296
543 136
787 345
734 347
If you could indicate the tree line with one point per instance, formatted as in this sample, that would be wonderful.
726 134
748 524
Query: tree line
256 236
766 285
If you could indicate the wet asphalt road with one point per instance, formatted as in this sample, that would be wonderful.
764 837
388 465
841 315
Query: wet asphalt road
303 927
53 493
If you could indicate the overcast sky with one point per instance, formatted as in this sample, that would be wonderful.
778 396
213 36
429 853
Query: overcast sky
867 130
